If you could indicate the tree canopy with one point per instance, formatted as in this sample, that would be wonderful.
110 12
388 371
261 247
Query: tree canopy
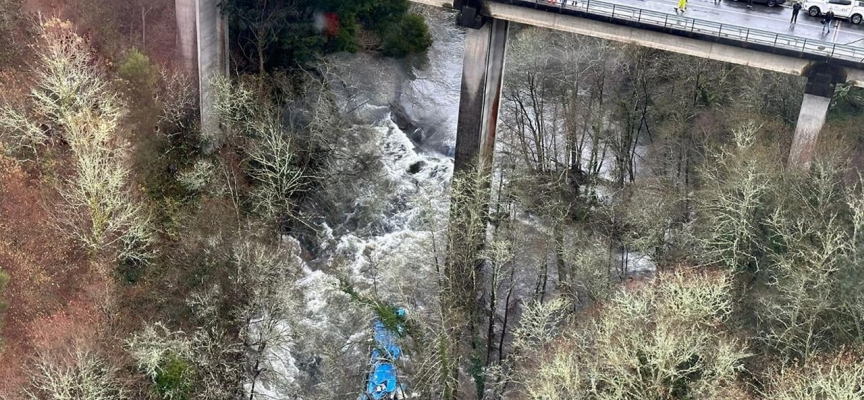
283 34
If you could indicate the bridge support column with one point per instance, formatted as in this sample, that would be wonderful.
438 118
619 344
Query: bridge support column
212 39
186 32
811 118
482 77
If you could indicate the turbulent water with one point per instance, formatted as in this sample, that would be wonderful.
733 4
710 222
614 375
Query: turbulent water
422 98
424 102
411 107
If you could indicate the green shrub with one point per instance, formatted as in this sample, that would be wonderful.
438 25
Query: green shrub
375 13
848 102
388 314
173 379
410 35
137 70
346 39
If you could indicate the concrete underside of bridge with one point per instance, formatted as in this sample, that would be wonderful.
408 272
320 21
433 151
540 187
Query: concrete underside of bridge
483 68
476 138
651 39
661 41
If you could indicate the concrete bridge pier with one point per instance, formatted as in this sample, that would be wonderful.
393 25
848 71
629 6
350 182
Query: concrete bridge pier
482 77
203 42
212 38
186 35
821 82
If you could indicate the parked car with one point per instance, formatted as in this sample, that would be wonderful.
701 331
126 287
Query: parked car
853 10
769 3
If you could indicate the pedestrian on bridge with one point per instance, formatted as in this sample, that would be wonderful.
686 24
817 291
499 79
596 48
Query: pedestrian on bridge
682 5
827 20
795 9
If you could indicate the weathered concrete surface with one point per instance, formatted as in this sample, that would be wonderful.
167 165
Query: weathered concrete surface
186 38
482 77
821 84
656 40
855 77
212 58
811 118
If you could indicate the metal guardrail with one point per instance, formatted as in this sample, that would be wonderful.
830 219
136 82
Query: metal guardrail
739 34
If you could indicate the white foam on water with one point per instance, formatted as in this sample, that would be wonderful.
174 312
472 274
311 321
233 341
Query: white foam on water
418 183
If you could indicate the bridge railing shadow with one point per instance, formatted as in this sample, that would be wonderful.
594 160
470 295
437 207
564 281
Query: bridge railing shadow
701 29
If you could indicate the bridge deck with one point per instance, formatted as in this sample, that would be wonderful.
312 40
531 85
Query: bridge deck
789 50
788 43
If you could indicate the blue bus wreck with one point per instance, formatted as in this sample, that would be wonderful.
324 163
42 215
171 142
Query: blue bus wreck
382 381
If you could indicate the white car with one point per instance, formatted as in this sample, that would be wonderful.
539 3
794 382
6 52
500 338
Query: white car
853 10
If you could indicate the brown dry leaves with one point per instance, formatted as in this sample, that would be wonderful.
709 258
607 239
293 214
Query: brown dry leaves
53 295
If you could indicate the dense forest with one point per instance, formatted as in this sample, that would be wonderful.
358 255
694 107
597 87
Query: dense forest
642 236
279 34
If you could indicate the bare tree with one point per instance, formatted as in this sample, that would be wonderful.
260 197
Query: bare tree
71 96
205 362
155 348
265 19
271 154
812 274
265 273
79 375
662 339
837 376
99 212
178 101
736 189
18 132
438 372
271 157
145 7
